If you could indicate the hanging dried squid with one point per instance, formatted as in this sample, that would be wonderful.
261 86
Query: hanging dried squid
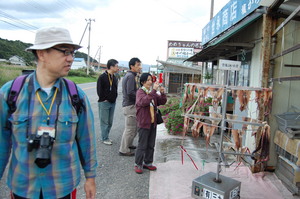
216 94
191 92
230 117
196 128
245 126
208 132
185 94
186 124
258 98
244 98
202 94
254 127
263 147
236 138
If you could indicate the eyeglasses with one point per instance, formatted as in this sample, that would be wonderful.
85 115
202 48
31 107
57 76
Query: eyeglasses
66 52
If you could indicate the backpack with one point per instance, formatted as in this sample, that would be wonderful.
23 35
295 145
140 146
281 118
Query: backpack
18 83
16 87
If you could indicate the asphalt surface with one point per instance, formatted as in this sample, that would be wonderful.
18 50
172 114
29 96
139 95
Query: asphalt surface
115 175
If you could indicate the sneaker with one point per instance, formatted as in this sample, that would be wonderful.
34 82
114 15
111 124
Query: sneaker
149 167
126 154
107 142
138 169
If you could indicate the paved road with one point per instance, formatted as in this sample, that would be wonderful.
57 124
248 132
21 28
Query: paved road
115 175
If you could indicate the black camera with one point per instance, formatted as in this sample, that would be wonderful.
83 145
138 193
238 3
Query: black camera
43 143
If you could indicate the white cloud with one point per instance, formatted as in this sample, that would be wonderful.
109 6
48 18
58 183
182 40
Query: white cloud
125 29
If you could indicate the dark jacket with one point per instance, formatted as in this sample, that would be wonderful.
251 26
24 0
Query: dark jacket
129 88
104 90
143 100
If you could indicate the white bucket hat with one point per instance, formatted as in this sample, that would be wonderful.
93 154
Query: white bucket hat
48 37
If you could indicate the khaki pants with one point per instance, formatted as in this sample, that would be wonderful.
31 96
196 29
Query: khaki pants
130 128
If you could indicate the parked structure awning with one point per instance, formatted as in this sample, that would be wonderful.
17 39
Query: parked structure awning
178 68
219 48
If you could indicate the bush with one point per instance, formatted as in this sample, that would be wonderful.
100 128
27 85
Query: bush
173 115
173 111
171 105
81 72
174 121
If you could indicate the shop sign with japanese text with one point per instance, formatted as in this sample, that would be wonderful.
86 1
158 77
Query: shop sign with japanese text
180 52
184 44
229 65
231 13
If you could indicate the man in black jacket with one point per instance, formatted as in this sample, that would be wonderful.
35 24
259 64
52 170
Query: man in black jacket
107 90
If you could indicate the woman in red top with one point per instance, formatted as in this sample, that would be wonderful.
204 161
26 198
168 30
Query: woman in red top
147 100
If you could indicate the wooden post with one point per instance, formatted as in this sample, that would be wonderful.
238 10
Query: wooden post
265 56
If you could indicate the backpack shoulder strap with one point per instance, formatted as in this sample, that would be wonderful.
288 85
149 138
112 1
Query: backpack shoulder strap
73 92
14 91
78 105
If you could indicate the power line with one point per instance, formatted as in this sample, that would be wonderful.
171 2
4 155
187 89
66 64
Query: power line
37 6
11 20
70 7
5 15
176 12
16 25
41 9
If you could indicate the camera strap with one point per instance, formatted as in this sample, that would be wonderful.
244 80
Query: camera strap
57 98
30 89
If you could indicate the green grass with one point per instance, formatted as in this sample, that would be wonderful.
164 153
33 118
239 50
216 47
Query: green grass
81 80
9 72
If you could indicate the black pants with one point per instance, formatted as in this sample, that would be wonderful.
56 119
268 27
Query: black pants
14 196
145 149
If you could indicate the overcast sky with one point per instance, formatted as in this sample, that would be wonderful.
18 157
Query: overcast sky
124 28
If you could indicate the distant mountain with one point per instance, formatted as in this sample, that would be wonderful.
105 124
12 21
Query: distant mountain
9 48
125 64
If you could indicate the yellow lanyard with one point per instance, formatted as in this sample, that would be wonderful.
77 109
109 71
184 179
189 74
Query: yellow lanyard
109 79
50 108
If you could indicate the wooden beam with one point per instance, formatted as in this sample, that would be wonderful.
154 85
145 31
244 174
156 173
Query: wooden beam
265 48
287 20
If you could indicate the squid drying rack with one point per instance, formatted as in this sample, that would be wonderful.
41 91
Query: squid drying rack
214 185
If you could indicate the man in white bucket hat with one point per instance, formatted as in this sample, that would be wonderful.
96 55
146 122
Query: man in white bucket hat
46 126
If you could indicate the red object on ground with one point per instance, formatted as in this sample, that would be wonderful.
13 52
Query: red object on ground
138 170
160 79
151 168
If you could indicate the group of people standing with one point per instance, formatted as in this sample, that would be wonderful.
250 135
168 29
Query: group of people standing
141 96
47 125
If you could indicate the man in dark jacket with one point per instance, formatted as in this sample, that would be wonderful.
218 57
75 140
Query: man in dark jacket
107 90
129 88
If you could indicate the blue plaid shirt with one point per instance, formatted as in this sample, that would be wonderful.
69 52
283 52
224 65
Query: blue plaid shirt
61 177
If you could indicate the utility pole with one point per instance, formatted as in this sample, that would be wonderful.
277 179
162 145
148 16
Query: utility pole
83 33
89 21
99 58
99 49
211 9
